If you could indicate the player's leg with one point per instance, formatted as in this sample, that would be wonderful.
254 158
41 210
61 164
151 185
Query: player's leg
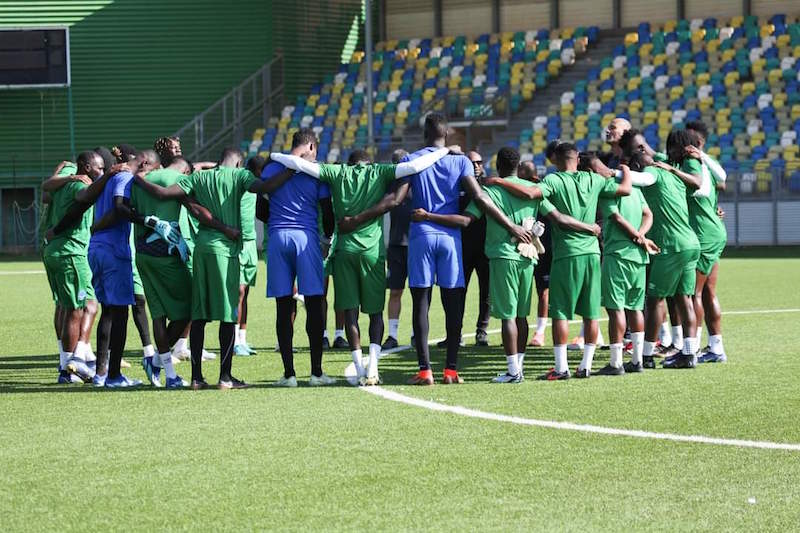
119 333
686 265
421 275
372 276
614 288
339 341
197 338
248 265
676 329
396 274
588 306
393 311
697 303
713 319
504 284
482 324
139 312
542 278
223 306
563 298
240 330
85 334
450 277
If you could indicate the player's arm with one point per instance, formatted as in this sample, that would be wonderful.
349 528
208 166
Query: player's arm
297 163
328 218
451 221
639 179
573 224
389 201
173 192
520 191
272 184
205 218
625 185
715 168
693 181
90 194
55 182
485 204
262 208
409 168
122 211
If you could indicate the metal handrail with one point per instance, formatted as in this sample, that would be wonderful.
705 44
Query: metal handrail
225 119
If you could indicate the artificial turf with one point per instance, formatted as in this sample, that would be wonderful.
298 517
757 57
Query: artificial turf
76 458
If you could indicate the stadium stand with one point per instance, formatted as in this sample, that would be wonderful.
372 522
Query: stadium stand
741 77
412 76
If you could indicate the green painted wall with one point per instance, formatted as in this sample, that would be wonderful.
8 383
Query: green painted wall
140 69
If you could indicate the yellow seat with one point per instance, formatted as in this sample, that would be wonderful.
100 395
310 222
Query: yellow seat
631 38
766 30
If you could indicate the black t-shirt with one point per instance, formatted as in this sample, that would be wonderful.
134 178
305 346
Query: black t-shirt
400 218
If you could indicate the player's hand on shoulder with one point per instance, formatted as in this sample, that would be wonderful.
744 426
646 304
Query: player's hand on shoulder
694 152
455 149
83 178
61 166
419 215
663 165
120 167
598 167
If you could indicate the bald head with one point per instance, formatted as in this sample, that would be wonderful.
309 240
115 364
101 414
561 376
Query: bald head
615 129
527 171
477 163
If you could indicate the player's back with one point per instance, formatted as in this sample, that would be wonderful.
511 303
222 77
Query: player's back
74 240
667 200
436 190
117 236
498 243
294 204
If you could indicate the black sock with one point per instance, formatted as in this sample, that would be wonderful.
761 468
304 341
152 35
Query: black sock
314 328
453 301
140 319
283 325
103 339
226 331
119 332
197 339
421 299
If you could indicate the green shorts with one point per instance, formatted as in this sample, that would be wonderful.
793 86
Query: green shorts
70 279
138 288
248 263
51 280
623 284
359 280
709 255
511 287
672 273
575 287
215 287
190 246
167 286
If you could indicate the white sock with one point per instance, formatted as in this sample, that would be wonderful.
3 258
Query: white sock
60 347
236 337
689 346
715 344
394 324
149 351
699 335
338 333
89 356
357 362
166 363
599 340
67 357
541 324
62 357
520 362
647 348
637 338
243 337
616 355
560 352
374 355
677 337
513 364
588 356
182 345
80 351
325 334
664 335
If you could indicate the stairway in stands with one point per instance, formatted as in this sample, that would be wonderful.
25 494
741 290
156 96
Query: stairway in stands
543 98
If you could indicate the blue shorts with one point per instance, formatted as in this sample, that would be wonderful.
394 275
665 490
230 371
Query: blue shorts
435 258
294 253
112 276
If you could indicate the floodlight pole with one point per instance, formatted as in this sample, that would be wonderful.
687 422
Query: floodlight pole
368 58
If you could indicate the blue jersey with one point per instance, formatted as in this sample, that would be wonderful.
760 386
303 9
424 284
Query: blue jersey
116 237
436 190
294 205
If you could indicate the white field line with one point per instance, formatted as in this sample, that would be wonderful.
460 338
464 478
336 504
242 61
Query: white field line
18 272
583 428
569 426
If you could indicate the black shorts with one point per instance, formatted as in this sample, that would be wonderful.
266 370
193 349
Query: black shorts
541 273
396 267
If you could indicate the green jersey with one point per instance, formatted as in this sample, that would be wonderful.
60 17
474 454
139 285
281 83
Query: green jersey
145 205
615 241
667 199
248 210
498 240
44 218
703 211
75 240
220 191
354 188
576 194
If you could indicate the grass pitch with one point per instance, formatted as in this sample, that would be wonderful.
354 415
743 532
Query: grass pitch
75 458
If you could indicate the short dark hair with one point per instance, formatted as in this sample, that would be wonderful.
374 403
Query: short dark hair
563 149
435 126
256 164
85 158
124 152
551 148
229 153
677 141
150 155
585 160
699 127
398 155
303 136
507 161
358 156
108 158
181 159
626 140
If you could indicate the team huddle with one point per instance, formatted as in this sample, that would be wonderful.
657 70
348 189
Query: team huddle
148 228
